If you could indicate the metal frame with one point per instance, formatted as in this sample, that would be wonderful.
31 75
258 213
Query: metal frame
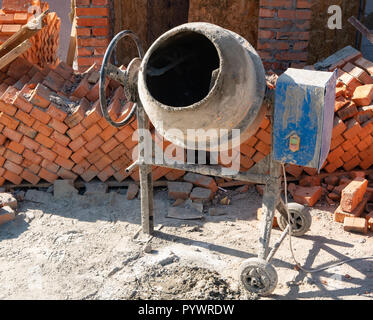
258 174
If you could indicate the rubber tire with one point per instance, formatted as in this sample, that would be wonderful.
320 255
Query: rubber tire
266 269
303 213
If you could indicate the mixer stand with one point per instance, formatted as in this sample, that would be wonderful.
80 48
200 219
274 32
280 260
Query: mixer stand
256 274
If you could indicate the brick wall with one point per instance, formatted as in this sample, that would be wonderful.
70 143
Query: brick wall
284 33
93 31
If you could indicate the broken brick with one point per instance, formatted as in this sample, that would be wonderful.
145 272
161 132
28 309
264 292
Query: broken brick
353 194
355 224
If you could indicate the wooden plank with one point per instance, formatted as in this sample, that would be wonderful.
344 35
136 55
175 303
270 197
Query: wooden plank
72 45
361 28
15 53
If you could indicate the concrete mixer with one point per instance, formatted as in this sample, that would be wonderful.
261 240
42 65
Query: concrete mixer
199 75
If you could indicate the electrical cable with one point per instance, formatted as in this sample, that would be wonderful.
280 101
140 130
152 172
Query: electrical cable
291 244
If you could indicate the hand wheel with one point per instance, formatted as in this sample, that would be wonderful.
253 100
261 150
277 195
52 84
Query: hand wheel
127 78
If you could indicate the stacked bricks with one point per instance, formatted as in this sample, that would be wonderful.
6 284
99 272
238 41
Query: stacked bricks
354 195
44 49
284 33
51 127
93 31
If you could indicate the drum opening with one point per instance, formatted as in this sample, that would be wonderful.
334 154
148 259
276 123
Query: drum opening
183 69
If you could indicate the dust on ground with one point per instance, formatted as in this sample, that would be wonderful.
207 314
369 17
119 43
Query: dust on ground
86 248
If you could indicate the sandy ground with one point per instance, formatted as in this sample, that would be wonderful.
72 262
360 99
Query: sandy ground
84 248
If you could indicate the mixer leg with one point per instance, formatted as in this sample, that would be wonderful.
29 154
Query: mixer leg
270 201
146 179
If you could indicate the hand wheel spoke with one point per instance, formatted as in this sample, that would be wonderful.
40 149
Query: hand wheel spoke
110 71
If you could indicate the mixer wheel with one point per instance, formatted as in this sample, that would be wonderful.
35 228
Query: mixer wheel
301 220
258 276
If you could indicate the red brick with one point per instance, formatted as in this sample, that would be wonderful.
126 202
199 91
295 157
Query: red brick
82 89
42 128
44 140
7 108
79 155
103 12
100 2
41 116
47 153
16 147
92 116
34 168
100 32
95 156
92 132
60 138
41 96
64 162
109 145
30 144
347 111
10 29
50 166
90 173
30 177
92 22
353 127
103 162
54 81
358 73
83 32
307 195
12 135
58 126
62 151
363 95
108 133
79 114
355 225
77 143
56 113
47 175
33 157
81 167
76 131
354 162
124 133
340 215
94 144
8 121
267 13
353 194
67 174
336 142
10 176
12 167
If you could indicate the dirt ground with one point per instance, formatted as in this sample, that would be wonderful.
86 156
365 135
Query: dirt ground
85 248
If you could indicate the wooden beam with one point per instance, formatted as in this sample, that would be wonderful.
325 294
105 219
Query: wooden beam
25 33
72 45
15 53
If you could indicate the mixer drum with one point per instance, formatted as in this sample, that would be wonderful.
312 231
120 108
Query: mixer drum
201 76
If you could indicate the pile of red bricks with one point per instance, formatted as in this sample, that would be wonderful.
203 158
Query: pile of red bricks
45 43
51 127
